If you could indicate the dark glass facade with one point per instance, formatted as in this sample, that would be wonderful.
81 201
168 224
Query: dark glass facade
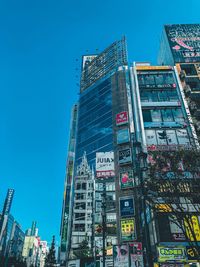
94 129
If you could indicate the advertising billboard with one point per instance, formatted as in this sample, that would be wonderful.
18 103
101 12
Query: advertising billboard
120 256
123 136
171 254
184 41
136 256
128 231
192 228
126 206
125 156
122 118
126 179
105 164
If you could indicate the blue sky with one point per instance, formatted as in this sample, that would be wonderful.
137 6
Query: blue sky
40 42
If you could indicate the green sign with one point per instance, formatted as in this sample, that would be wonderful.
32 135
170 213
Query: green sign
171 254
126 179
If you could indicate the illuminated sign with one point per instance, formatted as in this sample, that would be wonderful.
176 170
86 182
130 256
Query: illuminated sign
128 232
192 228
122 118
105 164
123 136
171 254
192 253
125 156
126 179
136 255
126 206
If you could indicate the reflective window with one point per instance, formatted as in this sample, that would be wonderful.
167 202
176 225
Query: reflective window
183 138
156 115
171 137
167 115
146 115
178 115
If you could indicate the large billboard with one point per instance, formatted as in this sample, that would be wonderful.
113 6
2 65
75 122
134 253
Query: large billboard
120 256
105 164
184 41
171 254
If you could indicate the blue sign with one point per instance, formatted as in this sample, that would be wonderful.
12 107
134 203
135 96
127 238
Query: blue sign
126 206
123 136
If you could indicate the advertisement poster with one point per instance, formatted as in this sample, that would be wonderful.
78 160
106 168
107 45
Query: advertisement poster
126 179
123 136
120 256
171 254
136 256
192 228
192 253
105 164
126 206
128 232
184 41
122 118
125 156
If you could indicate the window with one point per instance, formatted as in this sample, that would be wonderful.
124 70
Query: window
80 206
161 137
79 216
149 79
146 115
79 227
167 115
159 78
163 95
172 95
144 96
151 137
183 137
156 115
171 137
178 115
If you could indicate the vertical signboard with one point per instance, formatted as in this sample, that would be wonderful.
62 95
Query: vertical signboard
8 201
126 206
105 164
136 256
125 156
128 232
123 136
126 179
120 256
122 118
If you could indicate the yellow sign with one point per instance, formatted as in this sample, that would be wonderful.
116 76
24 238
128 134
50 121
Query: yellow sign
163 207
192 228
153 68
128 229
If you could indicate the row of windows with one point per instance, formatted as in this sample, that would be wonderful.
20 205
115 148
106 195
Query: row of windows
164 78
163 115
158 95
167 137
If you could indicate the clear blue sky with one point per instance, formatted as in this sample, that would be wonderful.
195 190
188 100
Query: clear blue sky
40 41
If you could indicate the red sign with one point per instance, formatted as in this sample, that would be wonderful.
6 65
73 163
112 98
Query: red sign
122 118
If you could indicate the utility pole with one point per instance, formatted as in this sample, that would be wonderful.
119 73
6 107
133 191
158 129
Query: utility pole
104 221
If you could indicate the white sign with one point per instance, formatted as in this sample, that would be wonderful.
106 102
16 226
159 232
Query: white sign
105 164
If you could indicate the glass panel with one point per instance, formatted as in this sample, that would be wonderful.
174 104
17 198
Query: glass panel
153 96
172 95
161 137
167 115
144 96
171 137
146 115
159 79
151 137
183 137
156 115
149 79
169 78
178 115
163 96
